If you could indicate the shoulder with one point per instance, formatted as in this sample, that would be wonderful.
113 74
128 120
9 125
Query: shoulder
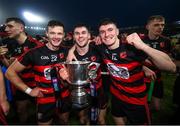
35 41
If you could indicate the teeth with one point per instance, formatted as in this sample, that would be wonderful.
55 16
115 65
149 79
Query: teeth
81 40
56 39
108 38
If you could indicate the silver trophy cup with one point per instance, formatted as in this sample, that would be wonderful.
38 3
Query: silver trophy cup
78 72
79 76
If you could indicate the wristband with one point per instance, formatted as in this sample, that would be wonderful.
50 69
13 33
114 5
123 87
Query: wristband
28 90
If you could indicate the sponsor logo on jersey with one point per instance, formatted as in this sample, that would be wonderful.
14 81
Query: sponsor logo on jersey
44 57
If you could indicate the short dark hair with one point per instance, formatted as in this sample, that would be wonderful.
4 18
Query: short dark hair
53 23
106 21
15 19
81 25
157 17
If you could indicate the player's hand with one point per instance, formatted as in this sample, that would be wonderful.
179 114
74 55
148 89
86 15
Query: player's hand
134 39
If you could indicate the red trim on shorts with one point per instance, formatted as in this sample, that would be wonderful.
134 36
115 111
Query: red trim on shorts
148 113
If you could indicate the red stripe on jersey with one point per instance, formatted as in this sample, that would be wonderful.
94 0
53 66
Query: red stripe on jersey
99 84
45 100
42 79
65 93
41 68
131 100
38 43
47 90
31 84
137 89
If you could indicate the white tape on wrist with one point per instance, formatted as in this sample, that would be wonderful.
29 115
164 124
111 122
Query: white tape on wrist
28 90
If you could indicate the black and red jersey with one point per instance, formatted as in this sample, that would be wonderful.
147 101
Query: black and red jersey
27 75
162 44
18 49
42 60
93 56
125 67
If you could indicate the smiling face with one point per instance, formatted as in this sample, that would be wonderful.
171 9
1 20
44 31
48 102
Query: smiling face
55 35
81 36
109 34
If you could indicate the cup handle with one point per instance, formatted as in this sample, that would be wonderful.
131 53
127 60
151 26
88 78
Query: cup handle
92 71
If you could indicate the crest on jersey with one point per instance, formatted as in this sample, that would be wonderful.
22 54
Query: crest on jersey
93 58
123 55
162 44
61 55
25 49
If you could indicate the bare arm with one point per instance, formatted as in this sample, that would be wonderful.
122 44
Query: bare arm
71 55
12 75
159 58
149 73
3 98
3 51
6 61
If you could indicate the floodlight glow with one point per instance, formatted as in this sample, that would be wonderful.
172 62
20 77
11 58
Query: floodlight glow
177 22
32 17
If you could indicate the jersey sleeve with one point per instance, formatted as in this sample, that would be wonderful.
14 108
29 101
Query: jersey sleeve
26 58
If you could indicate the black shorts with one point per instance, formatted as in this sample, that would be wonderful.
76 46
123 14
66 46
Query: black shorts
45 112
102 99
158 90
21 96
65 105
136 114
106 83
176 91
